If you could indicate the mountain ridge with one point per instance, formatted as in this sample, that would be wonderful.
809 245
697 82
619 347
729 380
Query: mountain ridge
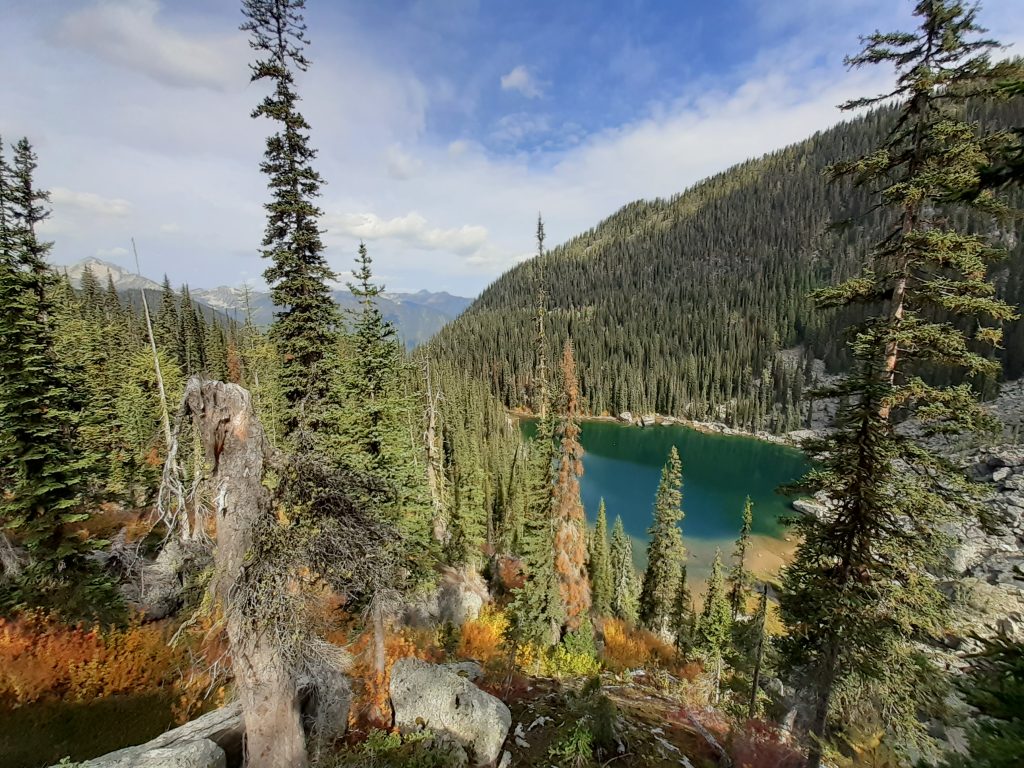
416 316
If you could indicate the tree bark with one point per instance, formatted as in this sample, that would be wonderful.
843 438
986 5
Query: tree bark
236 450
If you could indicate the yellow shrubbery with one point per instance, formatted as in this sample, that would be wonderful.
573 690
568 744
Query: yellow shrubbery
626 648
483 638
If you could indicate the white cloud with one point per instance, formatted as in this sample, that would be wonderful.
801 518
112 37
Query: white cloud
89 202
520 79
129 34
412 228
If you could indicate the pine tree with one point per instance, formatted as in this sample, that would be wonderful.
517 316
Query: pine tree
41 464
624 581
739 577
683 618
862 583
715 624
665 551
570 522
601 585
306 316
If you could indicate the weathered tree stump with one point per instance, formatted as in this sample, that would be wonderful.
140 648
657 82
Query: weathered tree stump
237 452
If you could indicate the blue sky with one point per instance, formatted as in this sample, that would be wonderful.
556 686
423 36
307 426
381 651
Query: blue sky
443 126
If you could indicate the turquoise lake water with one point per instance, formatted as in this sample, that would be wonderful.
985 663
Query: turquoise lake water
623 464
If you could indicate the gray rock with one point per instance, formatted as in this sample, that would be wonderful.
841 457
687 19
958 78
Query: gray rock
470 670
425 695
202 753
808 506
1000 474
209 741
326 701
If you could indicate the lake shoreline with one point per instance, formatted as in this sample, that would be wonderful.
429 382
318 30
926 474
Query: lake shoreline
789 439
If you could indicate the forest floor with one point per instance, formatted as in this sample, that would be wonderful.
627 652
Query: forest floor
652 727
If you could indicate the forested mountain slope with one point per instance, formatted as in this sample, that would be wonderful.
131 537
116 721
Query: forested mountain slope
682 306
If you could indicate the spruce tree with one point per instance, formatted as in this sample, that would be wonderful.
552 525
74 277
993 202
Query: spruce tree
624 581
570 521
601 585
862 584
41 464
665 551
372 419
306 317
739 577
715 624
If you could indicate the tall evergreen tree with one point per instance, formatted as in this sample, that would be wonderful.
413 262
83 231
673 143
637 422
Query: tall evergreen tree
372 421
715 624
739 577
41 464
665 551
536 610
570 521
862 582
306 317
624 581
601 585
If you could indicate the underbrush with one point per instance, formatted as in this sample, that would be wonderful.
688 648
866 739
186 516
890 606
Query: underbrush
43 660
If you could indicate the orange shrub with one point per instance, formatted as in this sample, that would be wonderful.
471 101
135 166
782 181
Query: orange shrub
626 648
373 706
40 658
483 638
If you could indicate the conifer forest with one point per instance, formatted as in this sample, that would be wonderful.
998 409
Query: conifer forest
311 522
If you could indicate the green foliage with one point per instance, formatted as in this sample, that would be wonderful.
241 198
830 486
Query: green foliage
994 686
575 748
715 623
665 551
42 466
575 655
740 578
684 620
601 584
383 749
625 604
862 588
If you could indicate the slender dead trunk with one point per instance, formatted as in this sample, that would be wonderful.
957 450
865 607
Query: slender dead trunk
435 469
236 448
165 418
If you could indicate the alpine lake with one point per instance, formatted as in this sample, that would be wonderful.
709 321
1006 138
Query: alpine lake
622 464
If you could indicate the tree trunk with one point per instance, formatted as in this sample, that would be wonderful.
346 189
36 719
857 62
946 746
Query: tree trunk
236 450
822 701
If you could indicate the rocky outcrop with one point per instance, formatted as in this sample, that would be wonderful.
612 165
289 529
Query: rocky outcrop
427 696
211 741
990 592
459 597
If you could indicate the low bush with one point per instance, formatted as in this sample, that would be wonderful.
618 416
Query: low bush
483 638
43 659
